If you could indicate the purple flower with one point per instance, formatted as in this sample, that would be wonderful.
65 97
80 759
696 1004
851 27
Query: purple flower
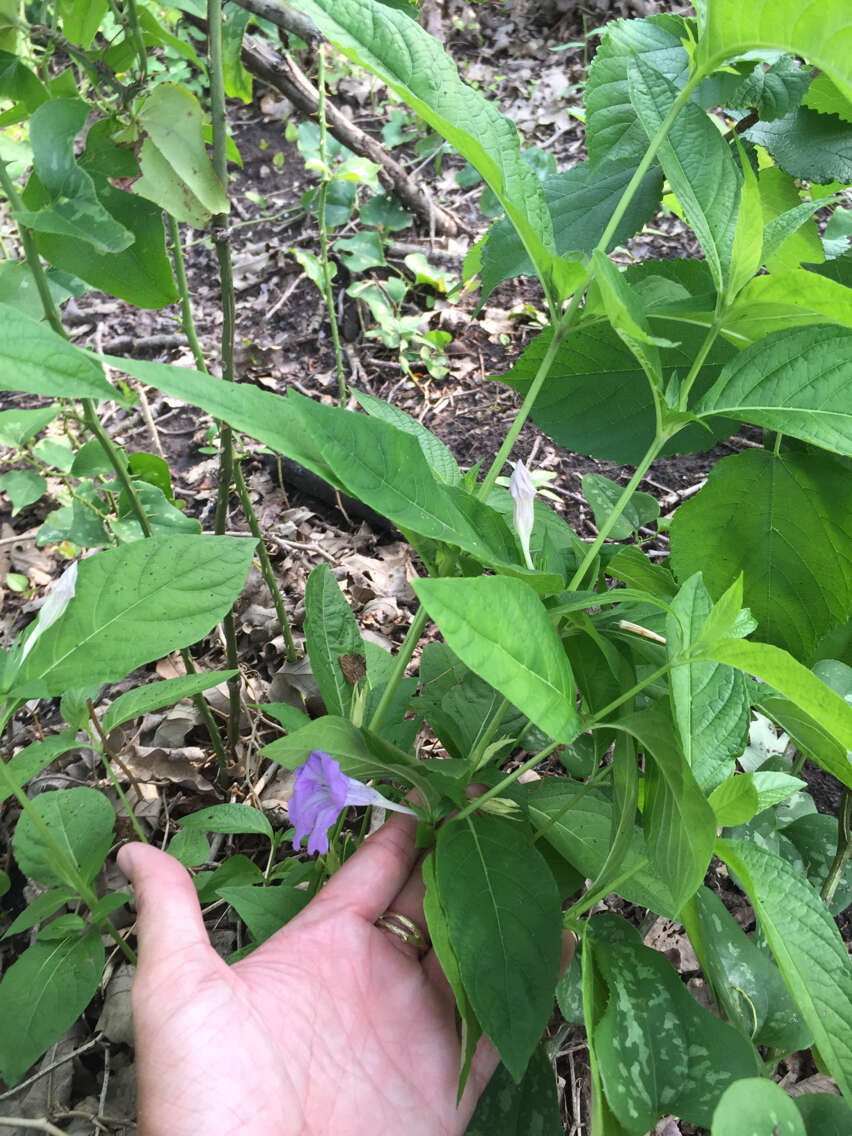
321 791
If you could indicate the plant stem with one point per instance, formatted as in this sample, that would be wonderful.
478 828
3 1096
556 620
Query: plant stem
323 227
698 361
265 563
403 657
475 755
844 849
477 802
601 715
107 756
136 34
222 244
186 319
618 508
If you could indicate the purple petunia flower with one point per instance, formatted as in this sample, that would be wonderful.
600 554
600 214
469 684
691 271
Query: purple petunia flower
321 791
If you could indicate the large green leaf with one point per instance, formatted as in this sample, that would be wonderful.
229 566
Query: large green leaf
807 144
801 686
747 984
757 1107
792 297
264 910
679 824
710 703
613 132
74 209
415 66
658 1050
577 822
134 604
795 381
807 947
528 1109
596 400
818 29
440 457
499 628
36 359
29 761
80 22
81 822
176 172
784 523
503 918
779 196
772 91
581 202
330 633
697 162
142 700
41 995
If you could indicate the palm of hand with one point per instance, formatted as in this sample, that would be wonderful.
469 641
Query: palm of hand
332 1026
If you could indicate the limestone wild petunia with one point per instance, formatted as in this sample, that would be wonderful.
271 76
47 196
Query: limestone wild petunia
523 494
321 791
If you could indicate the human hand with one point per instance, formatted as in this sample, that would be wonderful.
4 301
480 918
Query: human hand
331 1026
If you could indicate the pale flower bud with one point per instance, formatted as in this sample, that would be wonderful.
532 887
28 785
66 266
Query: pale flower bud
59 598
523 494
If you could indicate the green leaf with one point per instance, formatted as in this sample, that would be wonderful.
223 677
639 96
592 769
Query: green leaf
710 703
229 817
790 234
729 29
824 96
698 164
440 458
265 910
772 91
824 1114
80 820
414 65
743 795
74 209
176 172
807 947
20 426
795 381
36 359
503 918
519 1110
808 145
581 202
679 824
41 908
135 604
144 699
577 822
80 22
190 846
625 313
658 1050
603 494
19 83
597 401
613 132
633 568
23 487
784 523
30 761
756 1107
237 80
41 995
331 632
809 735
745 981
747 253
792 298
235 871
518 654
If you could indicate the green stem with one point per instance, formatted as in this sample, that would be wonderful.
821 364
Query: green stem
477 802
602 715
202 706
844 849
618 508
643 167
698 361
265 563
323 227
403 657
186 319
94 426
136 35
488 733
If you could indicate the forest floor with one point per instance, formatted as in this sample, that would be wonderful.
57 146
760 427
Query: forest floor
284 343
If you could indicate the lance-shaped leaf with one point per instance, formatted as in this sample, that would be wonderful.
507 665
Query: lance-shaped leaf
783 522
74 208
176 171
144 699
499 628
503 919
134 604
790 297
698 164
331 634
807 947
36 359
795 381
819 30
415 66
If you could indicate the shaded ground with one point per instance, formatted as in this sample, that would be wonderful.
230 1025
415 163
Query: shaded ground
284 343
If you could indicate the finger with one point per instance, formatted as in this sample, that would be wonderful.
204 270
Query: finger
370 879
409 904
168 917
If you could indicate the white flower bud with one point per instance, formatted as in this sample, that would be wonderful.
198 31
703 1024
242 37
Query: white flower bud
523 494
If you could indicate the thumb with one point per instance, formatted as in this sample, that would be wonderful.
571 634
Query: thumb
167 909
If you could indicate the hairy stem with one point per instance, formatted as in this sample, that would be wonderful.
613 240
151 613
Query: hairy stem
323 227
136 35
403 657
477 802
844 849
186 319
